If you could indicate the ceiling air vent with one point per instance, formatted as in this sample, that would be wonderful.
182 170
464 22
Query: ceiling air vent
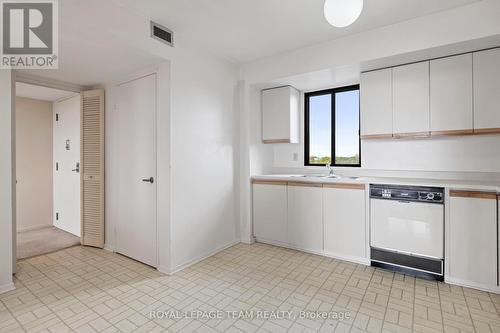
162 34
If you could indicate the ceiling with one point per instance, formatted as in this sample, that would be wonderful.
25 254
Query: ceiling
41 93
246 30
102 40
97 43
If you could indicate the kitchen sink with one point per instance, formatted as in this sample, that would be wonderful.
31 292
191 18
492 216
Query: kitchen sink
326 176
308 176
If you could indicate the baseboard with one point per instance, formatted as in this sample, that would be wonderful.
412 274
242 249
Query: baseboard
271 242
109 247
7 287
66 230
35 228
473 285
191 262
353 259
248 241
164 270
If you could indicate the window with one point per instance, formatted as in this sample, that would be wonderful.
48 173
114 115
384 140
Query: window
332 127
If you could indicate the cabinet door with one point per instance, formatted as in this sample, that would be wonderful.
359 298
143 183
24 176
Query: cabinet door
411 99
487 91
451 95
305 217
473 238
270 212
280 115
376 104
344 221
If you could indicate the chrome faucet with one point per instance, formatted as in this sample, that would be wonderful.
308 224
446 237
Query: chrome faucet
329 168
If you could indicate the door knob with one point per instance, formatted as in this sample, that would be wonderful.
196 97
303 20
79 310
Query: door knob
149 180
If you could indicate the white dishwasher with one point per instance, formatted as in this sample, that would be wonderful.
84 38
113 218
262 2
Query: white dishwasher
407 229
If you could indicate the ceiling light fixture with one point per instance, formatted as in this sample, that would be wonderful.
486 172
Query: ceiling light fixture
341 13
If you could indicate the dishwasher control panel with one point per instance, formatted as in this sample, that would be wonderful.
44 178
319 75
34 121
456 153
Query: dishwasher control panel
407 193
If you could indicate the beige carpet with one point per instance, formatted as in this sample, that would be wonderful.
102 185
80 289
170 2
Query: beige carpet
35 242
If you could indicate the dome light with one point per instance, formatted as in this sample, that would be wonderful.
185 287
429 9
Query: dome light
341 13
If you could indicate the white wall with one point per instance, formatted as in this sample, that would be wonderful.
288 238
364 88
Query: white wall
203 115
198 139
33 163
6 181
455 154
197 164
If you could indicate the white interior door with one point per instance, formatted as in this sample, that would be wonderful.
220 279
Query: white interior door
136 228
66 157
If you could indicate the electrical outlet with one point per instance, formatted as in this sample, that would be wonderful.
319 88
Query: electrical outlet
295 156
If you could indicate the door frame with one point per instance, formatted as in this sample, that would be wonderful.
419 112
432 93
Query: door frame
18 76
163 152
133 77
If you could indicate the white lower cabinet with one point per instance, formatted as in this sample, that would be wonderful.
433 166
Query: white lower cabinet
270 211
344 221
305 220
473 239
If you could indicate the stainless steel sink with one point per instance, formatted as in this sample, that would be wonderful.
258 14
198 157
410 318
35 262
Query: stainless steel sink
325 176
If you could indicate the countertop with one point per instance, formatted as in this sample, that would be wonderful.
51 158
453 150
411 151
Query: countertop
447 183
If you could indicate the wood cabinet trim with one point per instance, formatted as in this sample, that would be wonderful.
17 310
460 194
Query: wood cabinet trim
453 132
376 136
479 131
412 135
276 141
463 132
345 186
268 182
473 194
305 184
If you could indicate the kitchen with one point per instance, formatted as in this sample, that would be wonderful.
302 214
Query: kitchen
424 223
265 166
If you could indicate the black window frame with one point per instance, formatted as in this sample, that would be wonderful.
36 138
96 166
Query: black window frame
332 92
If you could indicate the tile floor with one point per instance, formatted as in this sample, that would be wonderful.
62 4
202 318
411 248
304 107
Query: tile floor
90 290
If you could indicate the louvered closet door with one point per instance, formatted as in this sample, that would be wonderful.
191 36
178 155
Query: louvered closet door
92 164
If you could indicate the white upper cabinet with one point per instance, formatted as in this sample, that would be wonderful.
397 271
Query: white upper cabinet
305 216
270 212
451 95
376 103
280 115
410 95
487 91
